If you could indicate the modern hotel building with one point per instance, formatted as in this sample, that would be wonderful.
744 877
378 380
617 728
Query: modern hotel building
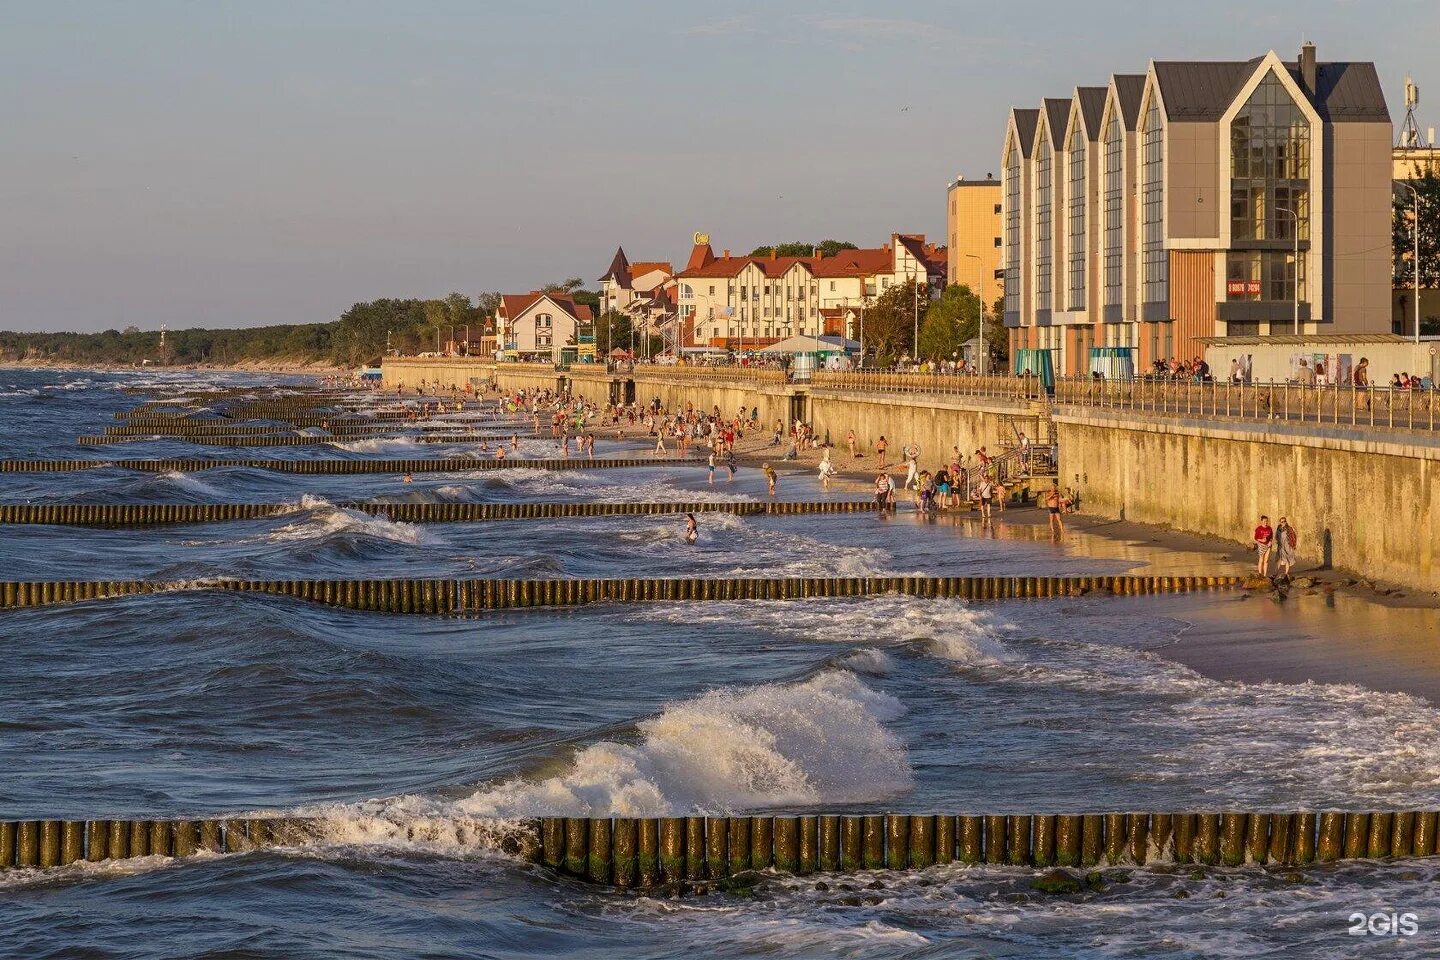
1200 199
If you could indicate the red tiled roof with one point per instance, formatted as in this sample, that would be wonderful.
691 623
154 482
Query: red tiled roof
855 263
642 267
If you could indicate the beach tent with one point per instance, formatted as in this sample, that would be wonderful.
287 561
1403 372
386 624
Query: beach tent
1113 363
1036 363
819 346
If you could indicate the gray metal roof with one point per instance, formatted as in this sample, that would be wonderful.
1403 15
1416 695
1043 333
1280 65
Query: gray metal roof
1204 90
1201 90
1026 118
1129 87
1350 92
1057 113
1092 106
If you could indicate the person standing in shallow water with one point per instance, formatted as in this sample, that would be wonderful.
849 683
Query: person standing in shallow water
692 529
769 472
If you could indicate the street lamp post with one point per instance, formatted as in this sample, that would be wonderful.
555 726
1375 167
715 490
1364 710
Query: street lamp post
1415 251
1296 219
980 298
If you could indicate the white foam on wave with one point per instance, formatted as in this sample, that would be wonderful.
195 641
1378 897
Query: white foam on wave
578 485
822 740
324 520
949 629
193 485
378 445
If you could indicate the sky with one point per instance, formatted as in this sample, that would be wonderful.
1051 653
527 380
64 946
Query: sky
233 164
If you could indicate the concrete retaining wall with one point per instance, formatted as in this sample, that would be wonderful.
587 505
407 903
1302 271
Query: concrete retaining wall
1371 497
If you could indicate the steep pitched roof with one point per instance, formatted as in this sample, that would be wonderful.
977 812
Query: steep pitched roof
1026 119
619 269
513 305
1057 113
700 255
1201 90
1092 106
1350 92
1129 88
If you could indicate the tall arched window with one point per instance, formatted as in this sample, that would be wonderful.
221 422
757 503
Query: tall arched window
1114 205
1076 196
1153 258
1044 182
1012 230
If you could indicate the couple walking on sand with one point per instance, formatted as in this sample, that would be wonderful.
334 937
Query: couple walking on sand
1278 541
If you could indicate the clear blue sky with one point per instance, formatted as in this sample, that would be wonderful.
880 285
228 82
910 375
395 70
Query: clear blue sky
262 162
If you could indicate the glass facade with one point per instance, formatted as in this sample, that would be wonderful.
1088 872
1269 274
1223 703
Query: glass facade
1076 196
1264 275
1012 230
1269 167
1114 207
1154 261
1044 183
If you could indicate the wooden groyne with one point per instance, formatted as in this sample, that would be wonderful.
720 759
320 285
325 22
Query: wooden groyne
333 466
454 596
678 852
146 514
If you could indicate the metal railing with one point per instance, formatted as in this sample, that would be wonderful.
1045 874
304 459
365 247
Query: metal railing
931 384
1337 405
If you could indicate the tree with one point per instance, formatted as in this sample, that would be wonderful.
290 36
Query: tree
564 286
950 322
611 330
799 248
1403 240
831 247
890 321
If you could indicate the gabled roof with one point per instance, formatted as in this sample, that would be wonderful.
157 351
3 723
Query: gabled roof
641 267
856 263
700 256
619 270
1057 112
1092 107
1350 92
1201 90
513 305
1129 88
1025 119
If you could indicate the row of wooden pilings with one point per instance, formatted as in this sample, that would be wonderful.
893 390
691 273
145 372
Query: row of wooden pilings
642 853
298 440
436 596
57 843
648 852
332 466
144 514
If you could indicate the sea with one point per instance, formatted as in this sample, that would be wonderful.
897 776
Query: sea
416 739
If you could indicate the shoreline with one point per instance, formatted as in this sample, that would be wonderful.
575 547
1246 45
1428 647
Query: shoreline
284 367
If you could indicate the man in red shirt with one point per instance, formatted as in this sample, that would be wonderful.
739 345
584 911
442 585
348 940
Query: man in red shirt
1264 540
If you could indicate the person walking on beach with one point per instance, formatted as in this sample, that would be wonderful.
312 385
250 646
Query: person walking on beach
659 442
711 463
986 492
911 453
1055 504
770 478
730 461
1285 543
1264 539
692 529
850 442
884 492
881 446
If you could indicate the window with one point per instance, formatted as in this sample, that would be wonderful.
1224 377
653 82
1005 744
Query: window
832 286
1114 210
542 321
1154 260
1075 195
1043 246
999 242
1264 275
997 208
712 289
542 340
1012 230
1269 167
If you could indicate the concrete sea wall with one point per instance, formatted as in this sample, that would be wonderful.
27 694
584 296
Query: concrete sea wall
1365 501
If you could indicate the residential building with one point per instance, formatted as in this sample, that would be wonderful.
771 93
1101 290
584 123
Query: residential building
743 303
540 326
1201 199
644 291
973 237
